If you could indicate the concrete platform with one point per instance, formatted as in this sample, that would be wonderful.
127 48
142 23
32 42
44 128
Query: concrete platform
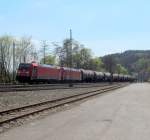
123 114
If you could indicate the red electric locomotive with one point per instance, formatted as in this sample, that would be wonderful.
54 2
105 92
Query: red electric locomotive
33 72
25 72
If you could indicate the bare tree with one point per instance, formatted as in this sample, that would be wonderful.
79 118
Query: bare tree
25 50
5 58
44 49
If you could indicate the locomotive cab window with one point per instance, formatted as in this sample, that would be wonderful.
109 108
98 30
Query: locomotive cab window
24 66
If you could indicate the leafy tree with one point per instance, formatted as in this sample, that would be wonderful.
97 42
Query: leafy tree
64 53
48 60
120 69
73 54
142 64
85 57
78 56
96 64
109 63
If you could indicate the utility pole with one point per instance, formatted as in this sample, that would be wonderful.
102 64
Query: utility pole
44 51
70 84
1 62
70 48
13 62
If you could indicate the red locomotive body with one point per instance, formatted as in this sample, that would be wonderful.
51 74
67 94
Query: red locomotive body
46 73
38 73
24 72
70 74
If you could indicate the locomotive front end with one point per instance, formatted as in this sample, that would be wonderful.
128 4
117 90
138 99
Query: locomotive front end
24 72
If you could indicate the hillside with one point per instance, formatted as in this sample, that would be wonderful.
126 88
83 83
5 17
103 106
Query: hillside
135 61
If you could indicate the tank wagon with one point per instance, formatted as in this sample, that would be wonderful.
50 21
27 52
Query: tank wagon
33 72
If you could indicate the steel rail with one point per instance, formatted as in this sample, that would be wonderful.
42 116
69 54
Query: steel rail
54 87
45 85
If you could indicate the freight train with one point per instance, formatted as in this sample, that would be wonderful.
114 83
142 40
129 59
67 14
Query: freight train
37 73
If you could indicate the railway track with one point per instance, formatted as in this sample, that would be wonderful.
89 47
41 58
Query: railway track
46 85
10 115
13 88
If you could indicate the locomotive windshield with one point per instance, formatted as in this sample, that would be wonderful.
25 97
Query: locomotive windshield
23 66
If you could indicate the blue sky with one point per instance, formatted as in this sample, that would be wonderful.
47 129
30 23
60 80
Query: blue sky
105 26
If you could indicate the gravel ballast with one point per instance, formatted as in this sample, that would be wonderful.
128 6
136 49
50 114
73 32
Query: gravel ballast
10 100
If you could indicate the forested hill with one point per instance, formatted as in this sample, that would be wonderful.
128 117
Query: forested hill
135 61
